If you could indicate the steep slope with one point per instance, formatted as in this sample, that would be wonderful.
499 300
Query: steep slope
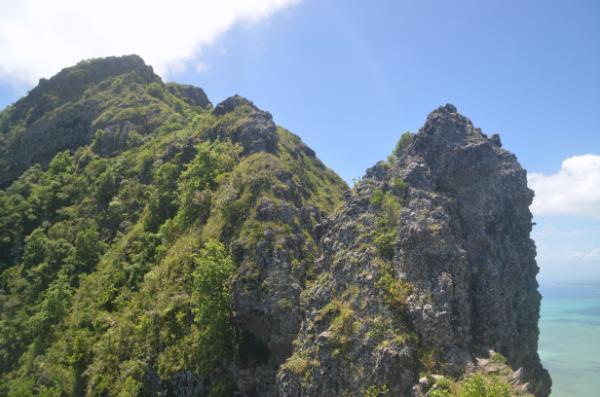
428 266
164 265
119 100
153 245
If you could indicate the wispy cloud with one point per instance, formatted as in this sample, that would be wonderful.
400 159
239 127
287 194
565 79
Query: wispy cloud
566 256
574 190
39 37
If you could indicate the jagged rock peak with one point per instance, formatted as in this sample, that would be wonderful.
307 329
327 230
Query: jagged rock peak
230 104
105 97
70 83
447 108
114 65
445 126
191 94
93 70
450 146
448 219
257 132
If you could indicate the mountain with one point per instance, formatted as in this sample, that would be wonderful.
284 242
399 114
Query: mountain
154 245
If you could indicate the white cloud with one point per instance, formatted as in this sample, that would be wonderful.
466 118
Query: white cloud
40 37
590 255
574 190
202 67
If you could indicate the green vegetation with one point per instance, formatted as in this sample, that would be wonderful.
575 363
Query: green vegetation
118 250
388 215
299 365
428 360
376 391
113 103
129 210
400 186
444 384
342 321
403 142
498 358
477 385
385 243
440 393
377 197
396 291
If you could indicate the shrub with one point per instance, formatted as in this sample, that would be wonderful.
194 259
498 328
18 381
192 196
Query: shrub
343 324
403 142
200 330
400 185
479 386
202 173
498 358
155 90
390 209
440 393
396 291
444 384
134 139
61 163
497 389
212 296
106 186
377 391
299 365
386 244
377 197
428 359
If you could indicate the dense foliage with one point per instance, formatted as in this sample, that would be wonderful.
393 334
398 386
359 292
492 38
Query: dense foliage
121 236
153 245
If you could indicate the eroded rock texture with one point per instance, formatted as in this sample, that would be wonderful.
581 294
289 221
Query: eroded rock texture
428 265
414 275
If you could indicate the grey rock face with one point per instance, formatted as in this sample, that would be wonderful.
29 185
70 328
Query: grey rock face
476 260
193 95
257 132
272 265
426 268
429 283
266 297
64 112
228 105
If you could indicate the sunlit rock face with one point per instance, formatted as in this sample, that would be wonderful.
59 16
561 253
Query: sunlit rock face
114 184
430 264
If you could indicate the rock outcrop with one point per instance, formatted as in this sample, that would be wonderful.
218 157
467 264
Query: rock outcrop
429 265
244 123
108 98
151 244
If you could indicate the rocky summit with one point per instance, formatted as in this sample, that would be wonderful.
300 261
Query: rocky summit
154 245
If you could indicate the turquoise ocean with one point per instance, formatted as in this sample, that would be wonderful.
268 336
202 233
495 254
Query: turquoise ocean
570 337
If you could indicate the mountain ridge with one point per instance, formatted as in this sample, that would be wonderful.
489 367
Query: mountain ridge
116 93
168 247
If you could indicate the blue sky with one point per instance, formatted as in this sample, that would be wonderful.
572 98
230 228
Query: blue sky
350 76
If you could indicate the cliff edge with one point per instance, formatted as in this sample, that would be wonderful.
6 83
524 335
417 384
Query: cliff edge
428 266
152 245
